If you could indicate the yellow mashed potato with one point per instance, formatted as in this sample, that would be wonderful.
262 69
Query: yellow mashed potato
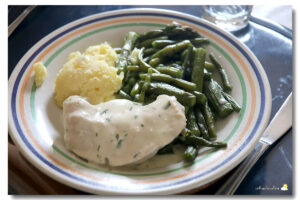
91 74
40 73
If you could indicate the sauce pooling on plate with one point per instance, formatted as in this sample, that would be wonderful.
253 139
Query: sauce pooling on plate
121 132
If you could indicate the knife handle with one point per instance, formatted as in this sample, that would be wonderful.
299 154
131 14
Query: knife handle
231 184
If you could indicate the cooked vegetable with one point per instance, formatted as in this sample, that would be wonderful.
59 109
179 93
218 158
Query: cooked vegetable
129 42
169 79
190 154
225 80
123 95
210 121
215 97
172 71
143 65
199 141
187 63
157 44
148 42
185 98
198 68
201 124
172 61
170 50
192 123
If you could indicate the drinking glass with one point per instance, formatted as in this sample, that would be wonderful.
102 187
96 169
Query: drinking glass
229 17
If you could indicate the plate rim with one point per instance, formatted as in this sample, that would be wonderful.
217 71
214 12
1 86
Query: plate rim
149 10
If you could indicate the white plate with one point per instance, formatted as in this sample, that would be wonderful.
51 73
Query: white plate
35 122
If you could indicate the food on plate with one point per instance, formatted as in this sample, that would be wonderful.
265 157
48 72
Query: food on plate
166 92
121 132
174 61
40 73
91 74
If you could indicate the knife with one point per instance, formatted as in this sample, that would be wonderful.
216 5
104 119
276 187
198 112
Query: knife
19 19
278 127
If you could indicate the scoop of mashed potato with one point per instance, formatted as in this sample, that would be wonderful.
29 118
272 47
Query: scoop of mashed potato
91 74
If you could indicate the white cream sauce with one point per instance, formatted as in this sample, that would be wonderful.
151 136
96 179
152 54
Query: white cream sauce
121 132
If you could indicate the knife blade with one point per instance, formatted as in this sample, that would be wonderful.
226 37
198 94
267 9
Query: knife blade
277 128
280 123
19 19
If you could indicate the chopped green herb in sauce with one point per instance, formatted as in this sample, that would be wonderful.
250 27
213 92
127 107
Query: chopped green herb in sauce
167 105
130 109
104 112
96 134
119 143
117 136
136 154
142 125
98 147
135 116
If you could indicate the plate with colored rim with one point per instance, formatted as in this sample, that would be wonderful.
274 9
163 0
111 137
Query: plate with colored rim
35 122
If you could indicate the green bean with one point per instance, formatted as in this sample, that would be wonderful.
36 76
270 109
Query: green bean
172 71
118 50
190 154
176 31
168 149
185 133
186 109
178 62
129 42
207 75
210 121
176 65
126 88
225 80
201 124
214 95
199 42
187 63
135 89
192 123
145 86
158 44
150 51
147 59
133 68
200 97
185 98
171 50
209 66
183 54
143 65
148 42
132 81
154 62
199 141
169 79
236 107
150 34
198 68
136 98
123 95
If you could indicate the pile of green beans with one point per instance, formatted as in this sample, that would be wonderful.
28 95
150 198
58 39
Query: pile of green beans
173 61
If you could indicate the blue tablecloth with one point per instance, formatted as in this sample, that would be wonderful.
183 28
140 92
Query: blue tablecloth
272 44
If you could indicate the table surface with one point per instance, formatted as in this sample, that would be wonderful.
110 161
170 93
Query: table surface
272 45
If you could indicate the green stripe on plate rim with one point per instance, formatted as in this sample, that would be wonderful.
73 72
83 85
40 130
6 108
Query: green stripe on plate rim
199 159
